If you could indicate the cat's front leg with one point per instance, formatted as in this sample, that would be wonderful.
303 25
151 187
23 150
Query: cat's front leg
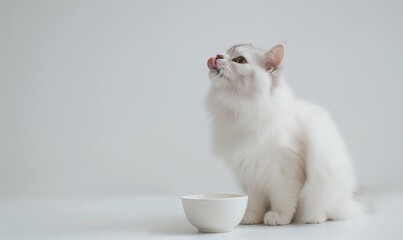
282 210
283 197
256 208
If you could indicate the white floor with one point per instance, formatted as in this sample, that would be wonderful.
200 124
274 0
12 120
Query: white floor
162 217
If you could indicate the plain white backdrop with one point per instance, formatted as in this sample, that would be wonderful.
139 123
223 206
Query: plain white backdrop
102 98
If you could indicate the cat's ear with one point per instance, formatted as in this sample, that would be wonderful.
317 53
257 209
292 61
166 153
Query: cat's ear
274 57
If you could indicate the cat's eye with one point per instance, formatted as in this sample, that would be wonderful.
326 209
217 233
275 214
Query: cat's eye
240 60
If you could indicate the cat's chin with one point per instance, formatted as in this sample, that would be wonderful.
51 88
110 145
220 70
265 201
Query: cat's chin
216 73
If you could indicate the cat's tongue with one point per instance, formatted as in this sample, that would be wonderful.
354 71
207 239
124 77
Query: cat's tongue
211 64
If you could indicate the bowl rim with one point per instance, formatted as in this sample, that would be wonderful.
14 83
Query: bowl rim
214 196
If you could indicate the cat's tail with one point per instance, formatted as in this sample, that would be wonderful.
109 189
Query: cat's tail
357 206
365 202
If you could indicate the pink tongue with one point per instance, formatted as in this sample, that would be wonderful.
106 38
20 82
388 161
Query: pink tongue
211 63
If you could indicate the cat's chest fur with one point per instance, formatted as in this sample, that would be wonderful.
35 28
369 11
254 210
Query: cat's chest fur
260 148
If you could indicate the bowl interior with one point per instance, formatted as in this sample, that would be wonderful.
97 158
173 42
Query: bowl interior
216 196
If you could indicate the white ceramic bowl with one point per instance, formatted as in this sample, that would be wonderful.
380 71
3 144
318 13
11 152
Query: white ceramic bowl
215 212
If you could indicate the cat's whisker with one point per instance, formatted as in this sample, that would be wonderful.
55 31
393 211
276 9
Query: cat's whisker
219 74
223 74
227 66
223 88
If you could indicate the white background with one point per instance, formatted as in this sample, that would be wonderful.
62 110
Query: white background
102 98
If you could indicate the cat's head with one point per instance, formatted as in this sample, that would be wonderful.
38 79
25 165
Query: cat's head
246 71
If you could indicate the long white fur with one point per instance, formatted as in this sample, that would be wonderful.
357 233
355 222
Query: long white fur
286 153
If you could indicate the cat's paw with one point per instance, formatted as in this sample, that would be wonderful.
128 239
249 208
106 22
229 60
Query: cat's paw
315 220
274 218
251 218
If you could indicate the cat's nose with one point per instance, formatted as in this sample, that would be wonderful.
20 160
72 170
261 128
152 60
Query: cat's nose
219 56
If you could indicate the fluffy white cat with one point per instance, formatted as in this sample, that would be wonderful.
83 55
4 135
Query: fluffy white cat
287 153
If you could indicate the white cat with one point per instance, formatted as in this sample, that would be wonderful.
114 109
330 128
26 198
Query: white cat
286 153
